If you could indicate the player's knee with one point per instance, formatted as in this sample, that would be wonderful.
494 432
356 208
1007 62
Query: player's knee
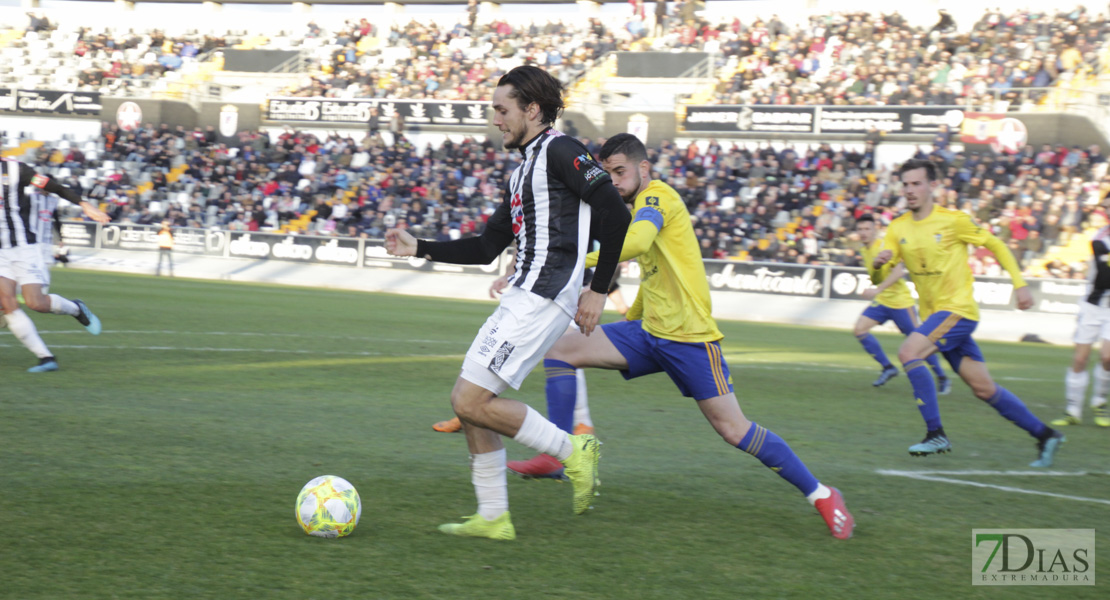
907 355
38 303
563 350
860 331
983 391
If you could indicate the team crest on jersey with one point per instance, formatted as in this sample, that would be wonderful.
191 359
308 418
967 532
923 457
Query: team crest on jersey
516 212
501 356
902 241
938 236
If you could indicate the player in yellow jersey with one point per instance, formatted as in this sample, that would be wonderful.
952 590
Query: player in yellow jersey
931 241
670 327
890 301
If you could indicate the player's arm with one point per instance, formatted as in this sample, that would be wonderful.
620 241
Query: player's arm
896 273
892 251
480 250
970 233
502 282
641 234
574 168
46 183
646 225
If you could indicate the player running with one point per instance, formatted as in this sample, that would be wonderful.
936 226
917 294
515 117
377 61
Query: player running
890 301
931 241
670 327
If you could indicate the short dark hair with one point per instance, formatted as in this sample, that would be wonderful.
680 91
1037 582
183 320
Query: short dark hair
533 84
917 163
865 218
626 144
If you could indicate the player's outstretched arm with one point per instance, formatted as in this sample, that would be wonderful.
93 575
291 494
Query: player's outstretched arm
399 242
973 234
94 213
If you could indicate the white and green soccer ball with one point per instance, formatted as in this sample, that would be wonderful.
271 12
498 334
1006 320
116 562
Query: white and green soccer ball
328 506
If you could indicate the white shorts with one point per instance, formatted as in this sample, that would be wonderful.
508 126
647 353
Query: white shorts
24 265
1093 323
513 340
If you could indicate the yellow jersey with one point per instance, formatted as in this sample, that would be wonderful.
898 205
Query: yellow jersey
934 251
673 301
897 295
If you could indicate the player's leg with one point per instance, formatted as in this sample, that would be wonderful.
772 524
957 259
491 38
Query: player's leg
1102 383
31 272
573 351
1075 385
907 321
917 347
583 422
23 328
974 371
508 346
871 317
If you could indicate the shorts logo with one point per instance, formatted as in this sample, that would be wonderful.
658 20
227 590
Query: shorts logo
501 356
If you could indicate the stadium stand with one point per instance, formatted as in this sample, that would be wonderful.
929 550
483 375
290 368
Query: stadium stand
750 201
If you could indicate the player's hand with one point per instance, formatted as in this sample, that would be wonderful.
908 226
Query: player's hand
498 286
1024 298
399 242
590 305
882 258
870 293
95 213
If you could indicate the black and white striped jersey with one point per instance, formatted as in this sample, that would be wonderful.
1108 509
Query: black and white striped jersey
1098 274
550 200
551 224
19 220
41 223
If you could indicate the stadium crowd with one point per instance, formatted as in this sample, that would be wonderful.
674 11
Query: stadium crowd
863 58
794 204
784 203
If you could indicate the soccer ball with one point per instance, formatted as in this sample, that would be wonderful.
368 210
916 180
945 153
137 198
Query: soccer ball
328 506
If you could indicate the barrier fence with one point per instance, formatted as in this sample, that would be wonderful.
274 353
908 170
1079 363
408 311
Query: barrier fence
818 282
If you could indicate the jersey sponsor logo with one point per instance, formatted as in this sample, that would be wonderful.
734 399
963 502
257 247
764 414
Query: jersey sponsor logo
501 356
582 159
593 174
516 211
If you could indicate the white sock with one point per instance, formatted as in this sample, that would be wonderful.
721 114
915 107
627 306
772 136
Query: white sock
487 473
63 306
1075 388
542 435
24 330
581 400
820 493
1102 383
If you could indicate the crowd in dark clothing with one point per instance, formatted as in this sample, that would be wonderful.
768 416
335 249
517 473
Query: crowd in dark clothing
782 203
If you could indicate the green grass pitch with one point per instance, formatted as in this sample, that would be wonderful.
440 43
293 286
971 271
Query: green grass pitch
163 461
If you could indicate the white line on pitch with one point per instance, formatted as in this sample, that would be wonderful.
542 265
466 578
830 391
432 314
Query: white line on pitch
245 334
258 350
972 472
1004 488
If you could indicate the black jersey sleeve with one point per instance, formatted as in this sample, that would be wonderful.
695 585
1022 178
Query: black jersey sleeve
480 250
46 183
570 163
